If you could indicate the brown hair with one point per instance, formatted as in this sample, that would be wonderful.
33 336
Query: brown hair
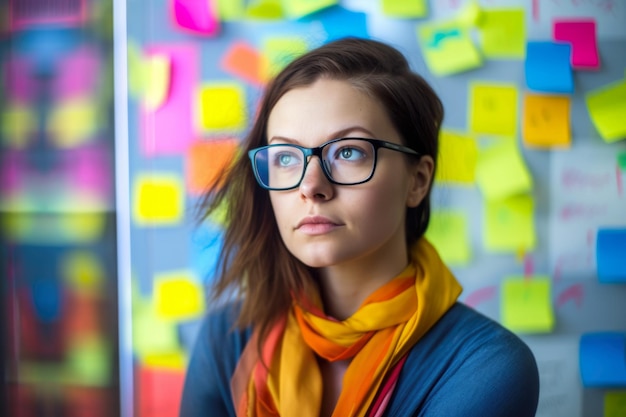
255 265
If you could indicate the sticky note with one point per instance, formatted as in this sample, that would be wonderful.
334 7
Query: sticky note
159 391
222 107
206 245
405 8
156 89
296 9
279 51
152 334
501 170
493 108
231 10
339 22
621 161
73 122
53 228
526 304
547 67
581 35
158 199
502 33
456 162
205 161
175 360
178 296
82 271
615 404
447 48
169 129
18 125
197 17
611 255
90 361
602 359
546 121
607 106
509 224
265 10
448 232
79 73
244 61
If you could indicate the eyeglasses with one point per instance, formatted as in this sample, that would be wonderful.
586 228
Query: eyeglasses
345 161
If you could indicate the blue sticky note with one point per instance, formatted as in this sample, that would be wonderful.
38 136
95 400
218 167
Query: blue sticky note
603 359
206 246
611 255
548 68
339 22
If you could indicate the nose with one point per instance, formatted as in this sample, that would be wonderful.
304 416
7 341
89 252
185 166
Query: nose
314 184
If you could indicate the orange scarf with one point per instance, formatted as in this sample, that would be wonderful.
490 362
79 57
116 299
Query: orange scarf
383 330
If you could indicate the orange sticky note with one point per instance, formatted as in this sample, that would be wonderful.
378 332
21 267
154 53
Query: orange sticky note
546 121
244 61
205 161
158 199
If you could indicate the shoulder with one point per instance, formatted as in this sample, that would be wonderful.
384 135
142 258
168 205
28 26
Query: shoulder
467 365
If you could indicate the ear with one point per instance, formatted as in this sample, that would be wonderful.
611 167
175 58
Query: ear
421 176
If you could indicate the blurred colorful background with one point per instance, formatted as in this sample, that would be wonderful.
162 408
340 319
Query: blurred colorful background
115 117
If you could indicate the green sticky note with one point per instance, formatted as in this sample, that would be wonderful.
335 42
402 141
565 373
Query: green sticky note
615 404
448 232
296 9
231 10
152 334
265 10
405 8
493 108
90 361
621 161
457 158
509 224
526 304
448 47
501 171
279 51
607 107
502 33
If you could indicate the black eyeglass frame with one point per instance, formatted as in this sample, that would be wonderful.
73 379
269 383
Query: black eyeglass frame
317 151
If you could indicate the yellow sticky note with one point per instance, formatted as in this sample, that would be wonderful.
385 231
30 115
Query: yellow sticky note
18 124
405 8
151 334
469 15
278 51
509 224
493 109
501 170
265 10
456 162
178 296
526 304
502 33
175 360
222 107
448 47
136 69
448 232
82 271
546 121
607 107
296 9
73 122
158 199
231 10
158 81
615 404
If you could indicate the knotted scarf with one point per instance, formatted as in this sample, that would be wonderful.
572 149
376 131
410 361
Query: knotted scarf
379 334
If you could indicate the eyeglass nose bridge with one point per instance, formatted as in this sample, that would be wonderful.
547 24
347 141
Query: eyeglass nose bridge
308 154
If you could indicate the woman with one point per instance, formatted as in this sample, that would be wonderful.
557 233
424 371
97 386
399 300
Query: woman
341 307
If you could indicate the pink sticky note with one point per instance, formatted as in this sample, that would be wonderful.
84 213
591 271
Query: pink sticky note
168 130
78 74
89 169
195 16
581 34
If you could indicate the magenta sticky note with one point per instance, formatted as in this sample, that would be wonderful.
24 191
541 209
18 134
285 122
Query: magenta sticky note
169 129
581 34
195 16
88 169
79 74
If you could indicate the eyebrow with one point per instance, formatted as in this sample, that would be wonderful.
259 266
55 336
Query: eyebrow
336 135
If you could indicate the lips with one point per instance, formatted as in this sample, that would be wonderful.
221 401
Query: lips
316 225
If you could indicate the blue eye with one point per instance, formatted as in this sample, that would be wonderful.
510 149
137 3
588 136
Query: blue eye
350 154
286 159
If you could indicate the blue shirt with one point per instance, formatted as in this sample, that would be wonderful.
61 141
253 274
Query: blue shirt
465 365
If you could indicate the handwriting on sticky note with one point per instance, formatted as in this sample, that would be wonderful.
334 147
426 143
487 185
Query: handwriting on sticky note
547 67
178 296
509 224
502 33
244 61
222 107
205 161
456 163
296 9
493 109
581 34
158 199
501 171
546 121
447 47
607 107
526 304
448 232
405 8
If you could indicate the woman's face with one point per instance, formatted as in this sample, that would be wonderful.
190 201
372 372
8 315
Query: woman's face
327 225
